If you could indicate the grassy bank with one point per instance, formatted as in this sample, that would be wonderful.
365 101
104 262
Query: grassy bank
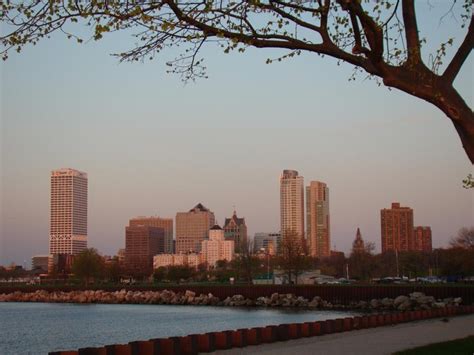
453 347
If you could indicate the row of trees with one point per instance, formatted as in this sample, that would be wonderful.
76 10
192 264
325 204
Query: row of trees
293 260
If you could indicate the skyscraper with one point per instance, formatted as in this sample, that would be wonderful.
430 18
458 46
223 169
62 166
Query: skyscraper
141 244
317 219
192 228
291 204
397 228
235 229
165 223
68 224
422 236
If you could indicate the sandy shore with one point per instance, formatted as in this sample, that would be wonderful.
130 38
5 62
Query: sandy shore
375 341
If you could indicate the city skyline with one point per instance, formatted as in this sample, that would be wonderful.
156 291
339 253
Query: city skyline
161 146
419 239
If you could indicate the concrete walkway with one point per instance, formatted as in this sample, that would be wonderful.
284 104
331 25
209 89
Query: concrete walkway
382 340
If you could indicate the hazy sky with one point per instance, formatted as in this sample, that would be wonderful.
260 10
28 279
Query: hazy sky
154 146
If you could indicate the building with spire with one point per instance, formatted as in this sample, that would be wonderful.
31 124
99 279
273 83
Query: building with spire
358 246
235 229
192 228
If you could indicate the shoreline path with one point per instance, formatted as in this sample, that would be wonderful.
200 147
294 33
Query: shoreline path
375 341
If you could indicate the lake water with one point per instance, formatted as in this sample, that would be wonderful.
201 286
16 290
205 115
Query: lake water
37 328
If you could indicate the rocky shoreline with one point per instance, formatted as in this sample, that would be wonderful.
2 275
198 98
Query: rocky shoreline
414 301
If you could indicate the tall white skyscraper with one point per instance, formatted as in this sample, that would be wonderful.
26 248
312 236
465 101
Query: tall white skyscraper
291 203
68 225
317 219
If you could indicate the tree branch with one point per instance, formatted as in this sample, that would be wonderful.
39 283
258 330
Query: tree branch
260 41
461 55
411 31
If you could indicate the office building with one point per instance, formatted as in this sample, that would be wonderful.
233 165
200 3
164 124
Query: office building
165 223
141 244
318 232
192 228
68 224
42 263
267 242
291 204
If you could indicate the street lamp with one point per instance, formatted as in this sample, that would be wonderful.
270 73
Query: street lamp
267 254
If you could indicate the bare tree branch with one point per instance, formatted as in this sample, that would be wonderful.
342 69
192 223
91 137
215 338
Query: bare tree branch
461 55
411 32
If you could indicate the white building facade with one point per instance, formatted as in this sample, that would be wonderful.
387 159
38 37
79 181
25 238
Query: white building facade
165 260
292 204
216 247
68 223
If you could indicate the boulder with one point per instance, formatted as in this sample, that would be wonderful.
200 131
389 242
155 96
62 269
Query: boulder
404 306
399 300
425 300
416 295
387 302
189 294
375 303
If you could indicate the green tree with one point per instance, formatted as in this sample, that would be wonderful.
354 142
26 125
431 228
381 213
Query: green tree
380 38
160 274
246 263
456 262
413 263
113 270
362 263
88 265
178 273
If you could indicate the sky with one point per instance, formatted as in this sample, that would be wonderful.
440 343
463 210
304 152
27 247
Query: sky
153 145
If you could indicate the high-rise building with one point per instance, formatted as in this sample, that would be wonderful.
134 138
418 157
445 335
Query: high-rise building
216 247
235 229
422 236
141 244
68 224
397 228
192 228
317 219
291 204
358 246
165 223
267 242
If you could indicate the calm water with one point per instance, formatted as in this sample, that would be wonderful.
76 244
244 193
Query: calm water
37 328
